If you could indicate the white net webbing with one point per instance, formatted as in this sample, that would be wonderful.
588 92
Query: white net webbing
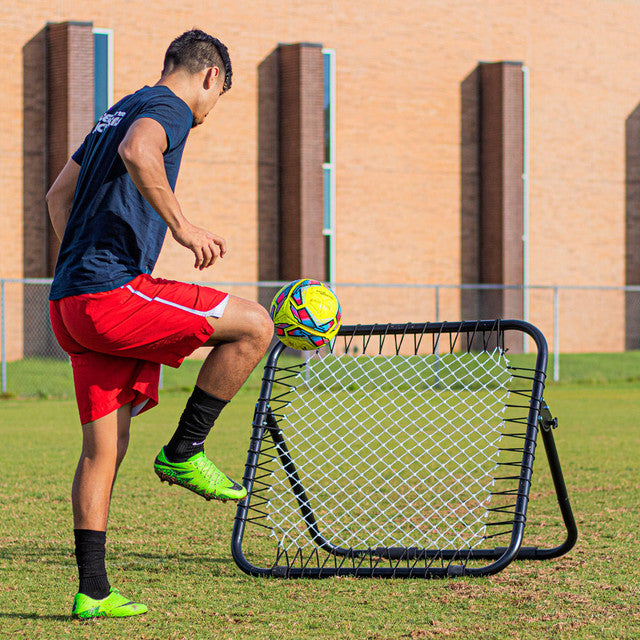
392 451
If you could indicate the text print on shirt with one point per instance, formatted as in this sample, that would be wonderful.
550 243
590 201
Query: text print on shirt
109 120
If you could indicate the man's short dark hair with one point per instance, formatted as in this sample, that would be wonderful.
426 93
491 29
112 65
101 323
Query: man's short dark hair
196 50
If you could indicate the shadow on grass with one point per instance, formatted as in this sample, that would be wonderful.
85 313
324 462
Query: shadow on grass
42 554
133 562
35 616
179 557
49 553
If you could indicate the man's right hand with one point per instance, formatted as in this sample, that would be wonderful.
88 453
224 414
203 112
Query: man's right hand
206 246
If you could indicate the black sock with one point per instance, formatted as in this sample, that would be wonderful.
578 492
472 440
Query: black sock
195 423
90 558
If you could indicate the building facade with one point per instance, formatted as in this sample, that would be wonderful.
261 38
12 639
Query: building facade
362 142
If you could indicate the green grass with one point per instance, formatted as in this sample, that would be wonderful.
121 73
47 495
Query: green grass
171 549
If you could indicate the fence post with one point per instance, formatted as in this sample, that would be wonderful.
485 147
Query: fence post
556 337
4 343
437 290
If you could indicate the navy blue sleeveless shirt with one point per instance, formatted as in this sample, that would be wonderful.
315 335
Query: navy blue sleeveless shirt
113 234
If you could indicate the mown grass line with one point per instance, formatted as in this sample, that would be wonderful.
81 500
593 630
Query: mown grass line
47 378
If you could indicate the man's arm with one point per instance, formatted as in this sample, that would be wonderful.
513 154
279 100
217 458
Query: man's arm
60 197
141 151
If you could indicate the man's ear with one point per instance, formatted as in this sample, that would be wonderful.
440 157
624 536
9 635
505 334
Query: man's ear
211 77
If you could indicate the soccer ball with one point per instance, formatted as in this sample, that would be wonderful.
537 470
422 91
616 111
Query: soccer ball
306 314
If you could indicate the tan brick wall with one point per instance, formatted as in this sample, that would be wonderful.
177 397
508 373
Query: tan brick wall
400 73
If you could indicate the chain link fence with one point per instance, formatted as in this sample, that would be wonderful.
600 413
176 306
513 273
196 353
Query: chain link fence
575 319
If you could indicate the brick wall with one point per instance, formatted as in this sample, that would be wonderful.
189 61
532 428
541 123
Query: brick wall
403 78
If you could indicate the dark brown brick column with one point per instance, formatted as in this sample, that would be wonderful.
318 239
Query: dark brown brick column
268 176
69 99
501 189
301 128
38 339
632 228
34 157
470 194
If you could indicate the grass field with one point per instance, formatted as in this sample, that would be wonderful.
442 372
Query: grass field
171 549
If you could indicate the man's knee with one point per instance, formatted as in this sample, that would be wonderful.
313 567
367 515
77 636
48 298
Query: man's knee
263 325
243 321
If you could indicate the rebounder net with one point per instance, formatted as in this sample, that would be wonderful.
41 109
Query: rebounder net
401 450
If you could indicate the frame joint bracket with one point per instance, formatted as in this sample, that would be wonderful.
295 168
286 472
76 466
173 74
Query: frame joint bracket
546 419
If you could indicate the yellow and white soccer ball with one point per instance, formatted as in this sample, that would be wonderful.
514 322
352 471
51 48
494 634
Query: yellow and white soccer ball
306 314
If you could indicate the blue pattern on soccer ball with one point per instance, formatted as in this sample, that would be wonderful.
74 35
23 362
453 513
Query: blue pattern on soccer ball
297 295
279 298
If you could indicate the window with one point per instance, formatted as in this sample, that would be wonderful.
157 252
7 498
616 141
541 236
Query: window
328 165
102 71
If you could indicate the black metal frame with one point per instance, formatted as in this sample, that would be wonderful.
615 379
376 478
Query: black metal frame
412 562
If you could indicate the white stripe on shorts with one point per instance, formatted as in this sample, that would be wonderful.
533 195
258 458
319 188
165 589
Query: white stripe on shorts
216 312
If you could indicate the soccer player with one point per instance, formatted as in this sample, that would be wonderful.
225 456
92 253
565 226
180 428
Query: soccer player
111 206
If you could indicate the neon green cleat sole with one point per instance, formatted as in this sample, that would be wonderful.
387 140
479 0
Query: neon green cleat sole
200 475
113 606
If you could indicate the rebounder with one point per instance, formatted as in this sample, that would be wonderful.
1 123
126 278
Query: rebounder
401 450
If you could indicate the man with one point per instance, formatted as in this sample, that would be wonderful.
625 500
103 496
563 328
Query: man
111 206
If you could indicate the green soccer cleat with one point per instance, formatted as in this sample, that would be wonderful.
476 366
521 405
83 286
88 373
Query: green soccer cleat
113 606
200 475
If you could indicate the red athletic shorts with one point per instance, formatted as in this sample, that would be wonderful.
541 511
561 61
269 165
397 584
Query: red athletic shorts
118 339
